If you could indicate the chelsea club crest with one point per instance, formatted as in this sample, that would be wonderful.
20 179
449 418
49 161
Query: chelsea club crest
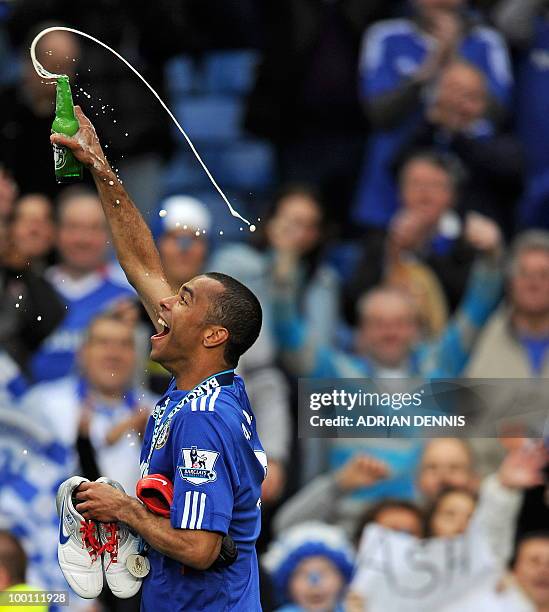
163 436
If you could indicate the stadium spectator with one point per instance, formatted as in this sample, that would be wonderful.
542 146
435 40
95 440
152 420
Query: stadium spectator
293 229
310 564
426 228
446 462
524 589
451 512
401 60
514 342
80 280
13 569
457 121
519 332
476 537
395 514
184 251
29 108
526 26
98 415
332 497
32 231
29 311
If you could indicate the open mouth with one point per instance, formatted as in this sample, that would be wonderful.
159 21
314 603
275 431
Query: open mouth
164 331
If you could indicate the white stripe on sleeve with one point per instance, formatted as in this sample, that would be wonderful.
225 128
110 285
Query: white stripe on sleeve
203 403
193 405
213 399
193 511
201 510
186 510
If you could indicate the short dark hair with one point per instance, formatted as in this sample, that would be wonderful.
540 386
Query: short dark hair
537 534
449 163
239 311
12 557
371 513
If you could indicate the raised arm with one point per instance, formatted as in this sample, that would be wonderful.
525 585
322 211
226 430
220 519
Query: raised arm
450 352
132 238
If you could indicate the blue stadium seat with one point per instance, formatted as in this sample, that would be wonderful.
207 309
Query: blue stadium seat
230 71
210 118
246 165
181 75
184 172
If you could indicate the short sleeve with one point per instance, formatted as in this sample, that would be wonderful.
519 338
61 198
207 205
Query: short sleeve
204 474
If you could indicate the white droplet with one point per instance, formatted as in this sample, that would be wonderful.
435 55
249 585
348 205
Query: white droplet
252 228
241 229
25 451
221 232
114 120
203 231
126 134
38 318
184 227
20 297
16 305
162 213
118 201
197 233
111 182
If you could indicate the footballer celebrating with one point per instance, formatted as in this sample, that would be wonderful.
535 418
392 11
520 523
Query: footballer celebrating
201 437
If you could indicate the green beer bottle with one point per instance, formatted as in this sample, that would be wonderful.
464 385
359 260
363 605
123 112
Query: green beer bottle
67 168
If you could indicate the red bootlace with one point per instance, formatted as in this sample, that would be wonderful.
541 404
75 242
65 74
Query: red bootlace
111 545
88 529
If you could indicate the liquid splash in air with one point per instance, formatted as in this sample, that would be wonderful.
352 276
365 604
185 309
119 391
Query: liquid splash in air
46 75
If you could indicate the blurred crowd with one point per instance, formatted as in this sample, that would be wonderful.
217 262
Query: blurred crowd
395 159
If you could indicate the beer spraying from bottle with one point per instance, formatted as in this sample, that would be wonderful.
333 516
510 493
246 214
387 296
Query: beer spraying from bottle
42 72
67 168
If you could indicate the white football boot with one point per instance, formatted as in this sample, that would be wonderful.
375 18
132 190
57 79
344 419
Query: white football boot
78 548
118 543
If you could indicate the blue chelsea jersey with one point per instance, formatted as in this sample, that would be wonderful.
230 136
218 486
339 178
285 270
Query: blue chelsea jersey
211 452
